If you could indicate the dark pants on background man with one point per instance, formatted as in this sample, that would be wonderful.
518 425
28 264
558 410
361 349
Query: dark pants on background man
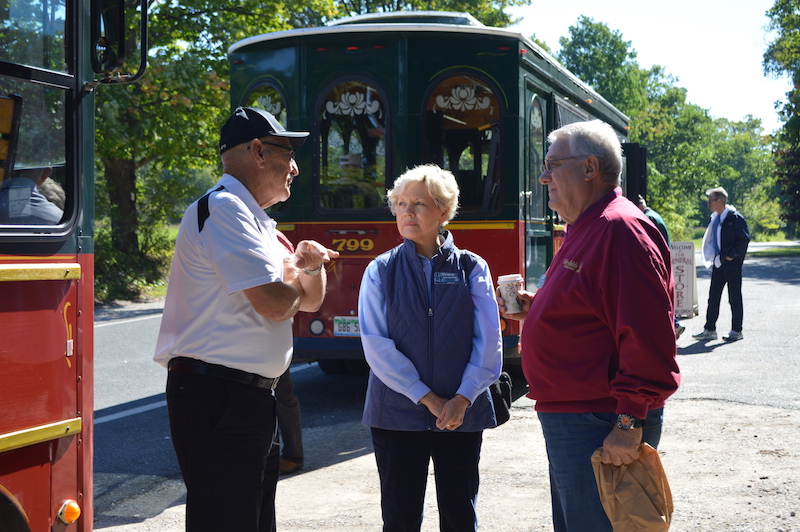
729 273
224 436
290 422
403 458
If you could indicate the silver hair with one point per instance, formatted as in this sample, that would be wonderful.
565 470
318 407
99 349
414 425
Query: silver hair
594 138
717 192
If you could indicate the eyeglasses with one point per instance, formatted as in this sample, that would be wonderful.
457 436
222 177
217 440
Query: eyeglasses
292 151
548 163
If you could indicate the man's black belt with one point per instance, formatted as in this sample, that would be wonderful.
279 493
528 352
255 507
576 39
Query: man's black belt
198 367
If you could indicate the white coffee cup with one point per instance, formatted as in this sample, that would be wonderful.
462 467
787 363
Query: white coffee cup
509 286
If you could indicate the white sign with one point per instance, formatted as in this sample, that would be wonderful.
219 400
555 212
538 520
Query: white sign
685 276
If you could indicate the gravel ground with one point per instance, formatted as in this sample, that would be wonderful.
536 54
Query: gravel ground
736 474
732 464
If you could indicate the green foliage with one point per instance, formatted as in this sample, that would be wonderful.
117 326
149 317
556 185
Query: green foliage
782 58
121 276
157 140
688 151
491 13
601 58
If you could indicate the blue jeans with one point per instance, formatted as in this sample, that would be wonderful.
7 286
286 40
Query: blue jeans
403 457
571 439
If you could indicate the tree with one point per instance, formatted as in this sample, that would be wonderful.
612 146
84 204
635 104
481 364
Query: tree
688 151
152 134
783 58
601 58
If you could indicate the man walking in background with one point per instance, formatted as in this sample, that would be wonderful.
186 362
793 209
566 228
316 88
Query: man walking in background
724 247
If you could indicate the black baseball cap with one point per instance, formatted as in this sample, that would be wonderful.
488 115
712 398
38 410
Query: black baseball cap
248 123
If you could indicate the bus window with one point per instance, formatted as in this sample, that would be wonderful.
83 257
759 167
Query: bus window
35 190
33 33
537 235
567 113
352 158
462 135
270 99
536 142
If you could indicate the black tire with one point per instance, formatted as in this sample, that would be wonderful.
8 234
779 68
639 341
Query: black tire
331 366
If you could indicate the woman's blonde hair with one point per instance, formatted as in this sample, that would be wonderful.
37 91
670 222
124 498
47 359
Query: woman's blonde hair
441 185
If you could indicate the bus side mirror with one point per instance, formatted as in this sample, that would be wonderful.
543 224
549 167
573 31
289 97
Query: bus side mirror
111 38
108 35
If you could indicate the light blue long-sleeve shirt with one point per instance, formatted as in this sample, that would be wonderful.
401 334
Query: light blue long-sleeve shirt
396 371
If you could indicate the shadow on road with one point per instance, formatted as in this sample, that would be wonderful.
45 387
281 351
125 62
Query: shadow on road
122 310
776 269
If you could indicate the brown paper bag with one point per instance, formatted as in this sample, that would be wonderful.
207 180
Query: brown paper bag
636 496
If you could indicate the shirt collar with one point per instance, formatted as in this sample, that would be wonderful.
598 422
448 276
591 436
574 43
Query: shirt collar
235 187
605 200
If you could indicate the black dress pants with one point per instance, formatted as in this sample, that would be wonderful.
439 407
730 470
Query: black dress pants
224 436
729 273
403 457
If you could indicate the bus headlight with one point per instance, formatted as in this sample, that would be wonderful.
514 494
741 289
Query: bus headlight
316 327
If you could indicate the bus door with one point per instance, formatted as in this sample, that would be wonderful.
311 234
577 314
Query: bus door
634 173
538 232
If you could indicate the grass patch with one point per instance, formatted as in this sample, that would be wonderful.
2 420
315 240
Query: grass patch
791 251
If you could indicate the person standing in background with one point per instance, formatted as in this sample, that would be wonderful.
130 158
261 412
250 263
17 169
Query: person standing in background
662 227
290 421
724 248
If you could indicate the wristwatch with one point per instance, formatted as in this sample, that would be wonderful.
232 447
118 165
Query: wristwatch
315 271
628 422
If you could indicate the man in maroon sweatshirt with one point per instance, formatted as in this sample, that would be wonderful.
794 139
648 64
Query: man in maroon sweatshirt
598 343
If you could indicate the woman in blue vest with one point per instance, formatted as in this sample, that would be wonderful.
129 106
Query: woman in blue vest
431 335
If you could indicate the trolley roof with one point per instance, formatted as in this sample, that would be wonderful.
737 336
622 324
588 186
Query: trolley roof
422 21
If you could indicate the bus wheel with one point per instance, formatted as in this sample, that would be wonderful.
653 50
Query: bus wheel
11 516
332 366
356 367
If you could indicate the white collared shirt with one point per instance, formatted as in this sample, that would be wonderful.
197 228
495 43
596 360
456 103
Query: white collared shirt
207 316
710 256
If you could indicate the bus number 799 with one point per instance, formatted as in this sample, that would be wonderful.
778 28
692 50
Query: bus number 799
352 244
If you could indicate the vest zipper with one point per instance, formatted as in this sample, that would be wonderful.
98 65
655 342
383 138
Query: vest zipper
430 332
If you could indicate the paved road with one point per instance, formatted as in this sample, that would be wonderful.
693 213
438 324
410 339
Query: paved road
739 404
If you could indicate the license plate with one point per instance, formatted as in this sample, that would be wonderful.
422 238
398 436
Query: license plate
346 326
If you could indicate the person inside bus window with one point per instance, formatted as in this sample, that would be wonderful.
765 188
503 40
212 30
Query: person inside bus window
54 192
598 344
431 335
226 331
22 203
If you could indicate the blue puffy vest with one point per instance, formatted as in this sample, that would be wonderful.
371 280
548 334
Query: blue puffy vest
435 335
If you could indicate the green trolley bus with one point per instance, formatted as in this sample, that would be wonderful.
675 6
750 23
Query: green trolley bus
384 92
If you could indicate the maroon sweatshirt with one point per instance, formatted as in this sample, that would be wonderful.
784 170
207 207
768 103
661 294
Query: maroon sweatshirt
599 336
